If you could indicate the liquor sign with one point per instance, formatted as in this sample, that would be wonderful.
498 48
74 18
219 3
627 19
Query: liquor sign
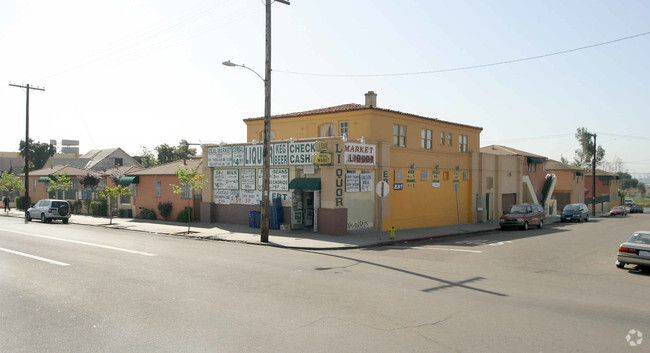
359 154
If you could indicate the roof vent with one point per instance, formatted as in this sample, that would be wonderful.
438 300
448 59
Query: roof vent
371 99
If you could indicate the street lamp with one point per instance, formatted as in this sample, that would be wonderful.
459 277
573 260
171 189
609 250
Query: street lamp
264 217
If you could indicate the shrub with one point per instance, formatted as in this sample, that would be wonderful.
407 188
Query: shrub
165 209
75 206
184 214
147 213
20 202
98 208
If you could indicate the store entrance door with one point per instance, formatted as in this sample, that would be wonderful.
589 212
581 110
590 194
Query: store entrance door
302 209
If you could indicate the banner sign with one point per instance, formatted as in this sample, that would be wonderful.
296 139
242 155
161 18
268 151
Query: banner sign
282 153
359 154
278 179
226 179
367 182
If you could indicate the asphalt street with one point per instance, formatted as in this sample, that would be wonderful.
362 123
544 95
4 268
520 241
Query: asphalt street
71 288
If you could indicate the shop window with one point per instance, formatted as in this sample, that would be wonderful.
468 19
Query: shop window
398 176
425 139
424 175
399 135
465 175
327 130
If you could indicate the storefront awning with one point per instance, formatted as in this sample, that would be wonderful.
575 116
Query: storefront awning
126 180
305 184
580 173
533 160
44 179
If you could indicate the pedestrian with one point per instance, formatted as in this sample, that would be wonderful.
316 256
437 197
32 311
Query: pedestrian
5 201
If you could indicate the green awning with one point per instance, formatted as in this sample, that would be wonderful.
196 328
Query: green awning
606 177
44 179
533 160
305 184
580 173
126 180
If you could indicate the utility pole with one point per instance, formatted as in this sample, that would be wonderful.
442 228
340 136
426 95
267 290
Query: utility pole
593 180
264 216
27 88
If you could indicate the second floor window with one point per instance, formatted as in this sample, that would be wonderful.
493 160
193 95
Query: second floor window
343 126
326 130
399 135
532 167
462 143
442 137
449 139
425 141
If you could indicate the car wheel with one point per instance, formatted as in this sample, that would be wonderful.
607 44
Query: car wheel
525 225
65 221
43 220
541 224
620 264
29 217
587 219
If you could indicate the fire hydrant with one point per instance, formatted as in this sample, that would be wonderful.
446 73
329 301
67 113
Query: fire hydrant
392 230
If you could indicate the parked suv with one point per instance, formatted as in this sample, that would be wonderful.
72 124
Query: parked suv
522 216
575 211
629 202
47 210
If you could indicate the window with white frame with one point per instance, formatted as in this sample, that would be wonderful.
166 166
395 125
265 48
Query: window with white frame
158 186
399 135
462 143
425 139
442 137
449 139
343 126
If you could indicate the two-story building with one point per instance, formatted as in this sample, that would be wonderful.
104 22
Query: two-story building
570 186
429 164
606 190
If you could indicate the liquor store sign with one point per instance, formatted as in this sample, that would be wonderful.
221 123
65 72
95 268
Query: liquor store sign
282 153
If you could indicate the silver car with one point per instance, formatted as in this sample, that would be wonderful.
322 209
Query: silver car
48 210
635 251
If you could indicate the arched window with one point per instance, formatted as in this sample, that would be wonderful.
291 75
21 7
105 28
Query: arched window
326 130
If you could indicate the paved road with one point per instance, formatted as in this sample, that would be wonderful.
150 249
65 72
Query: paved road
88 289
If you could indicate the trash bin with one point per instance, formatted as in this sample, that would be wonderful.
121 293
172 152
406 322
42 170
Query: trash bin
254 219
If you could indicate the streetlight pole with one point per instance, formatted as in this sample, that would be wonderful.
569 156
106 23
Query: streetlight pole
593 179
266 152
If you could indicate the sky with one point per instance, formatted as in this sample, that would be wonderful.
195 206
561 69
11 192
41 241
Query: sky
133 73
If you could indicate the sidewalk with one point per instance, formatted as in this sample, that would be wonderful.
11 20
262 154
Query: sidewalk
295 239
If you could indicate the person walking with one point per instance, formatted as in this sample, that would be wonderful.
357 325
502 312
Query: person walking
5 202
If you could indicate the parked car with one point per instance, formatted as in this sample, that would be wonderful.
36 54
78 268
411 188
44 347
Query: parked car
629 202
575 212
636 209
522 216
48 210
635 251
618 211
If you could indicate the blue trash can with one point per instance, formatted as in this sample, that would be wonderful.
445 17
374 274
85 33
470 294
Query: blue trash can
251 219
256 218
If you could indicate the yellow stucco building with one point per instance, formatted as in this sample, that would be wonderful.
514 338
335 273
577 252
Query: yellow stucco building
430 166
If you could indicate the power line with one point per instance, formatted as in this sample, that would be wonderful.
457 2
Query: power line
473 66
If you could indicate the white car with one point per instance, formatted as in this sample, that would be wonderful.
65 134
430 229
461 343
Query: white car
48 210
635 251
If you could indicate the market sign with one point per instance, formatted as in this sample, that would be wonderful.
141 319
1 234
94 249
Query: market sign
359 154
220 156
323 158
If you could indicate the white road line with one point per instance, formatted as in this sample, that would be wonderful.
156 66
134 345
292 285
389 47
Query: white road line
54 262
441 249
84 243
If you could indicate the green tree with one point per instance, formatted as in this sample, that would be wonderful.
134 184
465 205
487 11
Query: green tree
147 157
89 182
39 153
10 182
584 155
112 194
183 151
190 180
168 153
60 182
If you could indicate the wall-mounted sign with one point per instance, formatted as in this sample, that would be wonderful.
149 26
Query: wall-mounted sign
456 176
247 179
359 154
435 176
226 179
352 182
321 146
278 179
367 181
282 153
398 186
323 158
410 178
220 156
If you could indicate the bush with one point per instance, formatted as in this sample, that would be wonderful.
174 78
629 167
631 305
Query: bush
75 206
165 209
147 213
98 208
185 214
20 202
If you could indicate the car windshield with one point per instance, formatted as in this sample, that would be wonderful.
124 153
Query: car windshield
618 208
640 238
516 209
571 208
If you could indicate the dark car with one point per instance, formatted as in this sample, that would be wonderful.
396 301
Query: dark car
522 216
636 209
575 212
635 251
